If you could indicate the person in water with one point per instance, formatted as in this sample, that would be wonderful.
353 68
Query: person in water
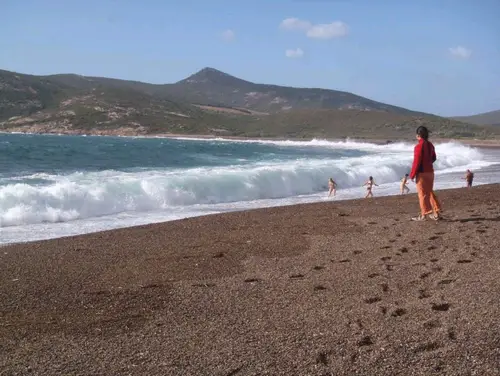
332 187
469 177
369 186
423 173
404 186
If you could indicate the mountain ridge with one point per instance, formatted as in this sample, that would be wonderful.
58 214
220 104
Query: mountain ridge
485 118
206 102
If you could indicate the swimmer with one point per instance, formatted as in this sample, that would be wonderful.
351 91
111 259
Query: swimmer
369 185
404 187
332 187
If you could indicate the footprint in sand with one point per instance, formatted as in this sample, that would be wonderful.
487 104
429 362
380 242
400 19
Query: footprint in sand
399 312
151 286
423 294
440 307
296 276
318 267
218 255
203 285
465 261
434 238
431 247
434 260
451 334
357 252
322 358
403 250
372 300
432 324
373 275
385 287
365 341
428 346
446 281
345 260
424 275
385 258
319 288
252 280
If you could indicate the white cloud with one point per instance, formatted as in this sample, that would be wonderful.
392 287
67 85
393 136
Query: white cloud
460 52
330 30
228 35
294 53
295 24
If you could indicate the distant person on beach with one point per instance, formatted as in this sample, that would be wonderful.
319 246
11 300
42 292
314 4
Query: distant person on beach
469 177
369 186
332 187
404 186
423 173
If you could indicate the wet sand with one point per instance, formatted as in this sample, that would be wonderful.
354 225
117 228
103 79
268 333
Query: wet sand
335 288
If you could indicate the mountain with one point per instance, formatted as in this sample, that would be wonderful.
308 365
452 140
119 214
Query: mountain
208 102
486 118
212 87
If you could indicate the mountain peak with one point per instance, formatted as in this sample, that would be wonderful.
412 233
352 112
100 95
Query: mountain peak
212 76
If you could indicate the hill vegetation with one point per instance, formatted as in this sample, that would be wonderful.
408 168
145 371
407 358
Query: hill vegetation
486 118
209 102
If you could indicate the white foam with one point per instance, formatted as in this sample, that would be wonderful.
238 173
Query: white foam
92 201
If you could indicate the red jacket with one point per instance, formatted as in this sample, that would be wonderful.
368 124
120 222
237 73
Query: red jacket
424 157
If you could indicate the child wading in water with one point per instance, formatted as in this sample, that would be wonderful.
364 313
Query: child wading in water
469 177
332 187
369 185
404 187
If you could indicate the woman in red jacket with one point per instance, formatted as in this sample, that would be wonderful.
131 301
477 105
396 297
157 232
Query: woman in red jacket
423 171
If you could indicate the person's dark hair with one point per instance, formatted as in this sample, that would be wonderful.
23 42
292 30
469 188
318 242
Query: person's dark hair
371 177
406 174
423 132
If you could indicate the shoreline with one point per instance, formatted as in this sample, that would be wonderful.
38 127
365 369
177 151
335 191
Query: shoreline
341 288
297 206
466 141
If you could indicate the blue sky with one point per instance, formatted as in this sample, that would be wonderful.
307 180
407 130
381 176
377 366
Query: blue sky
439 56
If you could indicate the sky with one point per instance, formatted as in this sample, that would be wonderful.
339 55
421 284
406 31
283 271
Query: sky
437 56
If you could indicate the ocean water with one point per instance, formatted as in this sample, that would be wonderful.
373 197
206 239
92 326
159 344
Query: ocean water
54 186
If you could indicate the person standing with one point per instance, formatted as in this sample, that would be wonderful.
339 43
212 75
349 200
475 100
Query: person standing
469 177
423 173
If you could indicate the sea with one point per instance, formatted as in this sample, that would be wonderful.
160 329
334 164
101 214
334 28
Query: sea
56 185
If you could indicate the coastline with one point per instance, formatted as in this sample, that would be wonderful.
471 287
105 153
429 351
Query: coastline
495 143
335 287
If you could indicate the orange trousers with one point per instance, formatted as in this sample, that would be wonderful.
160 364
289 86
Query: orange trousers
429 202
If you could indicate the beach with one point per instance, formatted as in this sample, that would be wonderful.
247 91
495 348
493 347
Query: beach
331 288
